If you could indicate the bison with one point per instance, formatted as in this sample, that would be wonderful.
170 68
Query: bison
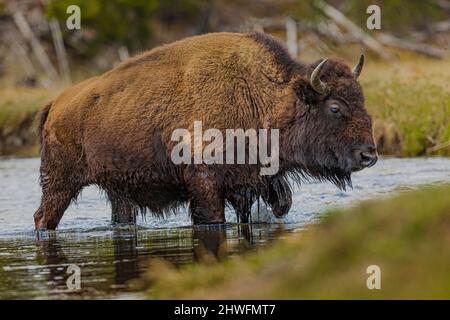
114 130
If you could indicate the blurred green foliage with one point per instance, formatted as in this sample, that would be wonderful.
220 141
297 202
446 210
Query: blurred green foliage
306 10
124 22
397 16
131 22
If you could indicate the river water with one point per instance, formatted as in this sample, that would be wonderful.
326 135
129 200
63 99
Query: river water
35 266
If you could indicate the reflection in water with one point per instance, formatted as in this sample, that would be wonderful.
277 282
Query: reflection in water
110 259
209 242
49 253
125 256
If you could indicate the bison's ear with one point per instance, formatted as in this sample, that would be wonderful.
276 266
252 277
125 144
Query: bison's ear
304 94
358 68
301 107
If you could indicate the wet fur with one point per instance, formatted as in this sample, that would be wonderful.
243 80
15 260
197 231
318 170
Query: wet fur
114 130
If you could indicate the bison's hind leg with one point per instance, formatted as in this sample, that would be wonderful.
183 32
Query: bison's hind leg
61 182
53 205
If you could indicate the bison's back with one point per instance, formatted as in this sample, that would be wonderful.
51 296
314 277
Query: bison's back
125 117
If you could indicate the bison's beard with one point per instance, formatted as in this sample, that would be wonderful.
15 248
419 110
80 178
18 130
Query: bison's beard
339 177
326 166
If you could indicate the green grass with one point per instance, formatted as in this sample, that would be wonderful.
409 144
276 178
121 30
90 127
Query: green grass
408 237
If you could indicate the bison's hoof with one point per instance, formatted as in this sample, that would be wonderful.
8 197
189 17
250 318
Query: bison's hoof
41 223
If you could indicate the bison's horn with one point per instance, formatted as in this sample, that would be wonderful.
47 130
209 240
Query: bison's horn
358 68
317 84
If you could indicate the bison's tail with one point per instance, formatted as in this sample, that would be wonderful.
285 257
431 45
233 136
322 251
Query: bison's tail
42 117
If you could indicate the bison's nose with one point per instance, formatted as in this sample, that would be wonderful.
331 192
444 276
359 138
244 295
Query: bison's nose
366 156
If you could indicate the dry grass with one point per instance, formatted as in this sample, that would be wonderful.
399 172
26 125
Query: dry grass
18 107
410 105
18 103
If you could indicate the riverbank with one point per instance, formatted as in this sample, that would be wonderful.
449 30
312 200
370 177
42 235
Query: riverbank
407 237
410 106
18 110
409 103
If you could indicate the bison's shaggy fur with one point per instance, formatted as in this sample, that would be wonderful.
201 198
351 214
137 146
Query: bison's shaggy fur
115 130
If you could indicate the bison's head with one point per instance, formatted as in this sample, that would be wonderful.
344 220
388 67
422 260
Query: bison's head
330 133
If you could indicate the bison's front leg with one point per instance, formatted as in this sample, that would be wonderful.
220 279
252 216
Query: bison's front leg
207 203
279 197
242 201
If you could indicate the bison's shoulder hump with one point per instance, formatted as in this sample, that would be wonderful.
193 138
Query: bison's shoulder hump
277 62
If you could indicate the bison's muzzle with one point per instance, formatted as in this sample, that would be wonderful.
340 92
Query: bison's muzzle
365 157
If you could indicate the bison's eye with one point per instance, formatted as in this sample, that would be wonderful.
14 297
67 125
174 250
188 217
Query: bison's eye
334 108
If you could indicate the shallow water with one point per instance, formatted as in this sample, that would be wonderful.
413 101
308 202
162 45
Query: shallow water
34 266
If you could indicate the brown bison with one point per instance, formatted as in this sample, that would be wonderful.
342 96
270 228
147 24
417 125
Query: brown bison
115 130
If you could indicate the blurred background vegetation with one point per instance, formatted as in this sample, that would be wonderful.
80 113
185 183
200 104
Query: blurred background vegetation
406 83
405 79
